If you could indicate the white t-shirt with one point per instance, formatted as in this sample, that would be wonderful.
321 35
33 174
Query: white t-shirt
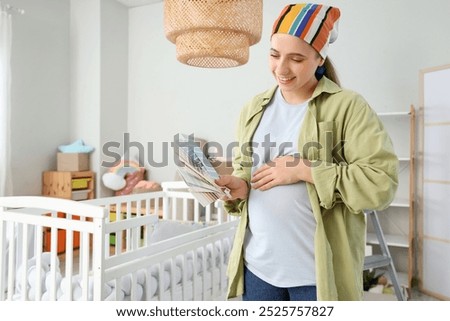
279 243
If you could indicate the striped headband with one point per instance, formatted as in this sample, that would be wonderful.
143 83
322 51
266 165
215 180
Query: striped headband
314 23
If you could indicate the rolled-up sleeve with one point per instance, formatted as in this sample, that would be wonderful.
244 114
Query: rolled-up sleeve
368 178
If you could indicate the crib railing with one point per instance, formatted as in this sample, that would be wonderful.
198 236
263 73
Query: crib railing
89 254
179 204
169 261
23 224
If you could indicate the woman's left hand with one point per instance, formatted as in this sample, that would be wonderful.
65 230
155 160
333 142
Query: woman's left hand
283 170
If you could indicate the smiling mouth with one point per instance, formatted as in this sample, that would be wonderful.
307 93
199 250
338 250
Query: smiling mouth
285 79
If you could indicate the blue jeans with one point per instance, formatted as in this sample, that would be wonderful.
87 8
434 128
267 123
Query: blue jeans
256 289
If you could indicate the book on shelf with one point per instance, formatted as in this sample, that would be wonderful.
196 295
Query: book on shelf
196 171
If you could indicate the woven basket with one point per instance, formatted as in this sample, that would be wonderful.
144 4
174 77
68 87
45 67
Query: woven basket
213 33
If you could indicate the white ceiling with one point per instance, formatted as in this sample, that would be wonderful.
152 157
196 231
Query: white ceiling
137 3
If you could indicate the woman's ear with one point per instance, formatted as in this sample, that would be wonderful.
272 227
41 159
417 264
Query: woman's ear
322 62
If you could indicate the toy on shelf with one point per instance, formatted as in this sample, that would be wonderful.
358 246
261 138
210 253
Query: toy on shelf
77 146
73 157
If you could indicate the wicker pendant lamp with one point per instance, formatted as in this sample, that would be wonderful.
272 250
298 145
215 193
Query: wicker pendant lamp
213 33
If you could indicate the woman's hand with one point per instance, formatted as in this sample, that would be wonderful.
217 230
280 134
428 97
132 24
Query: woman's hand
237 186
283 170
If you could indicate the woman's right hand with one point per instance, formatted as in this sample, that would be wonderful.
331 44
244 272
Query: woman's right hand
237 186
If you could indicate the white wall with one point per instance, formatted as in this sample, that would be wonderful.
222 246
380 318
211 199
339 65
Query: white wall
99 76
85 74
381 48
69 81
384 44
40 90
114 80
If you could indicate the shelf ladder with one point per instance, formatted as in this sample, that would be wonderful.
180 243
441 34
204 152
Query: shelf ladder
384 259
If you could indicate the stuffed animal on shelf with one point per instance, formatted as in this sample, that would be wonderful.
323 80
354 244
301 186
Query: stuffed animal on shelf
77 146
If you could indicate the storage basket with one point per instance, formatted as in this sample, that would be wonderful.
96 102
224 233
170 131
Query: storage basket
80 183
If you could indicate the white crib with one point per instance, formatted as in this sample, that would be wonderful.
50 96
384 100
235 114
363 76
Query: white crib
153 246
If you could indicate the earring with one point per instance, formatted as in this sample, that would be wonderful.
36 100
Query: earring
320 71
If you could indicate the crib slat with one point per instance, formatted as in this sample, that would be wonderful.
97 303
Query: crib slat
183 277
204 273
84 267
165 207
173 212
11 264
222 284
118 235
54 244
38 241
161 282
68 255
98 259
128 238
53 271
196 211
24 261
196 280
38 276
3 245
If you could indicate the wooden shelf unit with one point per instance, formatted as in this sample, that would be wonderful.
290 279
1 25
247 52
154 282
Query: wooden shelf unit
69 185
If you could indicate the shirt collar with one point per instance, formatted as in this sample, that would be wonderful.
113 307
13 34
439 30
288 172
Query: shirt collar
324 85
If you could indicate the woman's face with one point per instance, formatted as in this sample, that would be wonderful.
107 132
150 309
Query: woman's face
293 63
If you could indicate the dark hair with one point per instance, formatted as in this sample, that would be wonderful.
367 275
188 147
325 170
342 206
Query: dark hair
330 71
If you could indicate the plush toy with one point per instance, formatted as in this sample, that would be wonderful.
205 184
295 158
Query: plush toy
115 178
146 186
77 146
132 179
128 177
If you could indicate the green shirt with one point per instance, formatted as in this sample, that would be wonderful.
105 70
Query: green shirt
354 168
